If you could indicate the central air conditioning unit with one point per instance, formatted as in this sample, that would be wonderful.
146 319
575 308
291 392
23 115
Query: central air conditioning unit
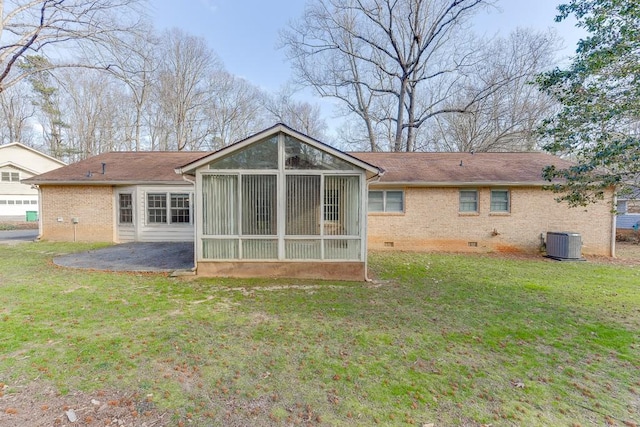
564 246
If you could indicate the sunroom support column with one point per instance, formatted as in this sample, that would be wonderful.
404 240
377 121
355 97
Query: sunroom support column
281 198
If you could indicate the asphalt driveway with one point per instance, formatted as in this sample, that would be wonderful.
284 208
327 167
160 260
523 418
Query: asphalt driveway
11 237
139 256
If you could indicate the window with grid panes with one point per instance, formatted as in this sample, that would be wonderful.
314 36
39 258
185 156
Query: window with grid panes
180 212
10 176
125 205
157 208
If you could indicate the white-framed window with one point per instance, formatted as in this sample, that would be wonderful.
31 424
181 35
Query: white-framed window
180 212
168 208
125 208
468 201
500 201
10 176
386 201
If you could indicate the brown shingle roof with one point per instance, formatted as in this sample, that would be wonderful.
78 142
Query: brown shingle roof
137 167
125 167
462 168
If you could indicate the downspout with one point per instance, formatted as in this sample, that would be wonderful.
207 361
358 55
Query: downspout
375 178
195 225
39 236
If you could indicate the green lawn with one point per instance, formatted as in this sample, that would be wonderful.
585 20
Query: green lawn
435 338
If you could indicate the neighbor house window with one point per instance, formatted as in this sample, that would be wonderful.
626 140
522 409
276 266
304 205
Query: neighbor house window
125 206
468 200
499 200
10 176
386 201
164 208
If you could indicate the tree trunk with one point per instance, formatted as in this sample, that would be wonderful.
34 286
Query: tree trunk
397 143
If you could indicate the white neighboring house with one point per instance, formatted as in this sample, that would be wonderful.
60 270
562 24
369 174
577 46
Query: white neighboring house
628 211
19 162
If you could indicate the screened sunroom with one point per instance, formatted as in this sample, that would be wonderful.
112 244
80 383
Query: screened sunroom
281 204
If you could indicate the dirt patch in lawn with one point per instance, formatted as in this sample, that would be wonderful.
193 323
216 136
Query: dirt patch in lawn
626 254
39 404
628 251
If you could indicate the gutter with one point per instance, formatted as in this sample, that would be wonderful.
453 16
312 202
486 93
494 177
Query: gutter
194 270
109 183
462 183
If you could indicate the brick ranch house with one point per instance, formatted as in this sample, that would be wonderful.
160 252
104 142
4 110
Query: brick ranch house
280 203
476 202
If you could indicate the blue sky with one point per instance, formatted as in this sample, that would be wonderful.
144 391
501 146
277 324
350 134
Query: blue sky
244 33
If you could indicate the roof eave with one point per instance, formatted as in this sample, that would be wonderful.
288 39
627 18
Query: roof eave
102 183
460 183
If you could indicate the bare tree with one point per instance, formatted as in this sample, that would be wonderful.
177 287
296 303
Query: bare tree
507 119
48 27
393 63
235 110
181 95
16 110
301 115
92 104
129 57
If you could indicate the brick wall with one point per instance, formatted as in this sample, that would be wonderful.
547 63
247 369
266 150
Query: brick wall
91 205
432 221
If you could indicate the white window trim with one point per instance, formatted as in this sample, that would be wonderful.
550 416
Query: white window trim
167 195
10 176
131 194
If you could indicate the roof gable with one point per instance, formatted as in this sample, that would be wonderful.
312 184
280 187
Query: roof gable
19 167
266 135
19 146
